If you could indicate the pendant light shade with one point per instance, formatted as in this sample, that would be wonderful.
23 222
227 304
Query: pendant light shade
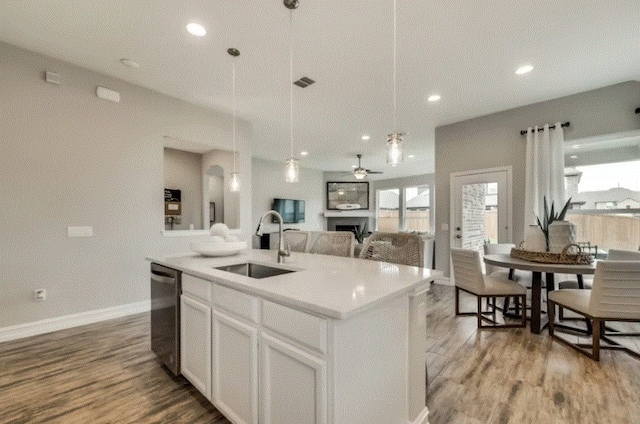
234 183
292 168
394 149
394 140
293 171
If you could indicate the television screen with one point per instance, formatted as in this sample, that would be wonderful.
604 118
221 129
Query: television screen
292 211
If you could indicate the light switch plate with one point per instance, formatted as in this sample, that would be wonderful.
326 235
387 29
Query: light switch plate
80 231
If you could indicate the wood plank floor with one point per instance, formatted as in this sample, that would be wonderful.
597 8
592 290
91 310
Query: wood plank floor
105 373
514 376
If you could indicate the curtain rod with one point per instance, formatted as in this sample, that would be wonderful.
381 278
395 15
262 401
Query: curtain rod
566 124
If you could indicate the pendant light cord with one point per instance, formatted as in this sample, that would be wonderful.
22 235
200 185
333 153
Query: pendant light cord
291 79
233 105
395 124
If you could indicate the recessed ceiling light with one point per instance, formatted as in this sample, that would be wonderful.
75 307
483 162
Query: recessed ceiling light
524 70
129 62
354 166
411 156
305 153
434 98
196 29
574 156
366 137
575 146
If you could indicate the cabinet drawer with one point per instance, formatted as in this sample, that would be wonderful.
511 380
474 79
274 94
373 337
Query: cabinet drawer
236 303
299 326
196 287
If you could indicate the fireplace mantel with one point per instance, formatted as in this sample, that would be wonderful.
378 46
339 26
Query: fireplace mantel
349 214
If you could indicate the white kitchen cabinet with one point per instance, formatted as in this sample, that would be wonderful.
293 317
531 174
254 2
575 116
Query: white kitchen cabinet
293 384
195 343
235 368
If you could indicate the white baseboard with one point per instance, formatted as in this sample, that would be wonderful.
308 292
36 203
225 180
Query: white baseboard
69 321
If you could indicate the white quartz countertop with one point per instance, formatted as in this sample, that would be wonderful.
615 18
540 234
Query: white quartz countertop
330 286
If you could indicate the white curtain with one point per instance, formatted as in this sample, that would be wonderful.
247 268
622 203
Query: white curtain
545 171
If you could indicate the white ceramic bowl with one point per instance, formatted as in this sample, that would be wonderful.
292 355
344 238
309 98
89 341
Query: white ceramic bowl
218 248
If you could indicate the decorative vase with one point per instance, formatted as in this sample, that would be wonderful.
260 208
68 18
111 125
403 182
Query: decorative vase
561 233
534 239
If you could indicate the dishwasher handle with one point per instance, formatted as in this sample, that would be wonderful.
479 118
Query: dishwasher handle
162 279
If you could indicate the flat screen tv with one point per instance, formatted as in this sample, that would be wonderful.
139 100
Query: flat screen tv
292 211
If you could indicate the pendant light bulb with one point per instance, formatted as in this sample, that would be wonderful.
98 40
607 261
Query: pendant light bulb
292 171
394 149
234 183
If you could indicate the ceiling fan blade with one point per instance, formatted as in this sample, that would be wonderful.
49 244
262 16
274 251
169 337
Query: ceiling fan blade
374 172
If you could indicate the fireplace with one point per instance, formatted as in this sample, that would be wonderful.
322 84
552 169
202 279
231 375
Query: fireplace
354 228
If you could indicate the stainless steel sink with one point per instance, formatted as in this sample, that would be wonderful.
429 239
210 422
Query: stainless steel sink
253 270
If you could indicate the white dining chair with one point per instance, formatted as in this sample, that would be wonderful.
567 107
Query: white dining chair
468 277
586 282
615 296
522 277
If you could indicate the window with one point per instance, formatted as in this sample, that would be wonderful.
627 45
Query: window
404 209
417 216
388 210
605 201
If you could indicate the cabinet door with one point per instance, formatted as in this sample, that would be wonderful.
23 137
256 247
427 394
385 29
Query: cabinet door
195 343
293 384
235 368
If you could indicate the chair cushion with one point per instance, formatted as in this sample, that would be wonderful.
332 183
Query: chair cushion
501 286
575 299
522 277
573 284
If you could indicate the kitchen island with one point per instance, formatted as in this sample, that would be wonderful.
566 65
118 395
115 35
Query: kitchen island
336 340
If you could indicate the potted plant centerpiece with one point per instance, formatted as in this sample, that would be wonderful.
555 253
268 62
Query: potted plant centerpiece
557 232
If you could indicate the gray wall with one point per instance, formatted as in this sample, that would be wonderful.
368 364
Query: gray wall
68 158
494 140
269 183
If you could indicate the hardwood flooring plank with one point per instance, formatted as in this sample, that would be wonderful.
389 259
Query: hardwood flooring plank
513 376
106 373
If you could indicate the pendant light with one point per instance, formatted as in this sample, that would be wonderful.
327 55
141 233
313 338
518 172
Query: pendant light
292 168
234 184
394 141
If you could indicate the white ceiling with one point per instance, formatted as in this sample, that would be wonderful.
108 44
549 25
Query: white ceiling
464 50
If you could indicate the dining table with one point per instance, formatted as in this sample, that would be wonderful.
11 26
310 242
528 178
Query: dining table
537 269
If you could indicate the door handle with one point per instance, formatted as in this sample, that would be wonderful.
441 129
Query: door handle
164 280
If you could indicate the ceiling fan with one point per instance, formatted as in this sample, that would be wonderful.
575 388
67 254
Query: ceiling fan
361 173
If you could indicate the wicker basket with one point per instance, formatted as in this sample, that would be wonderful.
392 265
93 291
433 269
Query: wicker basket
554 258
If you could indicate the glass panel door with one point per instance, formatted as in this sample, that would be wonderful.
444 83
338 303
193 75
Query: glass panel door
480 209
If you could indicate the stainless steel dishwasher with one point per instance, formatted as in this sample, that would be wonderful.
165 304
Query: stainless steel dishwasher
165 315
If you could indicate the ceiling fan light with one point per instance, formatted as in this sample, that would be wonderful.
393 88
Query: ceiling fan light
394 149
360 173
292 171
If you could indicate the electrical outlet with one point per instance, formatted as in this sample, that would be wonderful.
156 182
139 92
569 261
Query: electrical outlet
40 295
